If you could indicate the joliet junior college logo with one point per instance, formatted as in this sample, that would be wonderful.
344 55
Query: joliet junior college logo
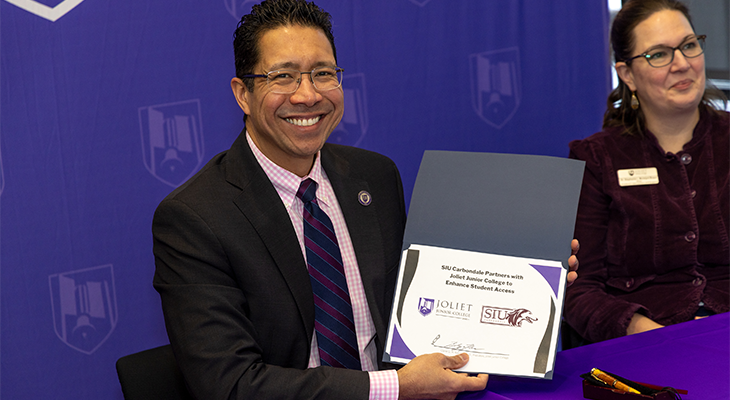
425 306
45 11
496 88
84 307
172 140
444 308
506 316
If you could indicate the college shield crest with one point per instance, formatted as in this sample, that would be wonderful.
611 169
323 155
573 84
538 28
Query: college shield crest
2 175
354 124
84 307
425 306
495 83
51 13
172 140
420 3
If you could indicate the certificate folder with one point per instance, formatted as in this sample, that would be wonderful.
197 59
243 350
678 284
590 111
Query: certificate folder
509 204
472 217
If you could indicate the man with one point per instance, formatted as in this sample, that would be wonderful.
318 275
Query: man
232 248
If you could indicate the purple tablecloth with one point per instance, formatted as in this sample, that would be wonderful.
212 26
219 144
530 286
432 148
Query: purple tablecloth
694 356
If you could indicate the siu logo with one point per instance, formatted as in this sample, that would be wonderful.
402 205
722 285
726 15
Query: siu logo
506 316
42 10
496 88
172 140
84 307
425 306
516 317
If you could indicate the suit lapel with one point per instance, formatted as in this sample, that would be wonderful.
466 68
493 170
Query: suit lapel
261 205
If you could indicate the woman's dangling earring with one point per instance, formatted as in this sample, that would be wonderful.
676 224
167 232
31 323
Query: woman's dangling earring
634 101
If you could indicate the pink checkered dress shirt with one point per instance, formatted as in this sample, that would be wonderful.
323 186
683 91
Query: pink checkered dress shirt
383 384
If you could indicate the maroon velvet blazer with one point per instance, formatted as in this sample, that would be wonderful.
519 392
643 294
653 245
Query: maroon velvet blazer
657 249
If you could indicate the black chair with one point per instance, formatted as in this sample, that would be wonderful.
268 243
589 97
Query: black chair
152 375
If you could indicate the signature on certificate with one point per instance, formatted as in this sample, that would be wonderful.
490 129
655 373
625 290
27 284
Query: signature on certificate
454 345
468 347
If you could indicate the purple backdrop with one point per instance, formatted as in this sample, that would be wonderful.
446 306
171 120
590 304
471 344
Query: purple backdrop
108 105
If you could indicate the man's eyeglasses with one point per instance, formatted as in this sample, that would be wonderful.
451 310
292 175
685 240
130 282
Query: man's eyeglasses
286 81
662 56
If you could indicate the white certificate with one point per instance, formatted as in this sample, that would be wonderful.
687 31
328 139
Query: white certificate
503 311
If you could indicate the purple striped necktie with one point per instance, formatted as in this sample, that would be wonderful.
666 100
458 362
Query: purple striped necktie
333 320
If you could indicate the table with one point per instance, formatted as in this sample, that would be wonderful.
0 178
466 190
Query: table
693 355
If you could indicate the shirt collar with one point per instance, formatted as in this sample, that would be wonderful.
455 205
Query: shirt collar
287 183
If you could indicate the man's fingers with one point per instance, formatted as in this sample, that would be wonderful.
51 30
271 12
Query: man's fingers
474 383
455 362
431 376
467 382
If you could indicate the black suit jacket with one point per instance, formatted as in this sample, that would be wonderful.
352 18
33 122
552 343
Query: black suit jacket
234 285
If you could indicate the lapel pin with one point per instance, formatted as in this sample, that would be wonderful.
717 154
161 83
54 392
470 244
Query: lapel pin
364 198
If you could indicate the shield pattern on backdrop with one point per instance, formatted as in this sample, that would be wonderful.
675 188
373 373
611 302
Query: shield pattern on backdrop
84 306
172 140
42 10
354 124
495 82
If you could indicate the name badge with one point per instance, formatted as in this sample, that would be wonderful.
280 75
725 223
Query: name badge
637 177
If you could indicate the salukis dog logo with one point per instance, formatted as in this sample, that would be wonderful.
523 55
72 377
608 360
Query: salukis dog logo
516 317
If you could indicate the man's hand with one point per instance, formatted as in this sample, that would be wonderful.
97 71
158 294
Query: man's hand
573 261
430 376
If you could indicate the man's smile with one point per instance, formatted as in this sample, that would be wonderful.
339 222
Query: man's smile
303 121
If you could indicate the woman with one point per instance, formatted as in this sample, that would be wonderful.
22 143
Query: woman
653 213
